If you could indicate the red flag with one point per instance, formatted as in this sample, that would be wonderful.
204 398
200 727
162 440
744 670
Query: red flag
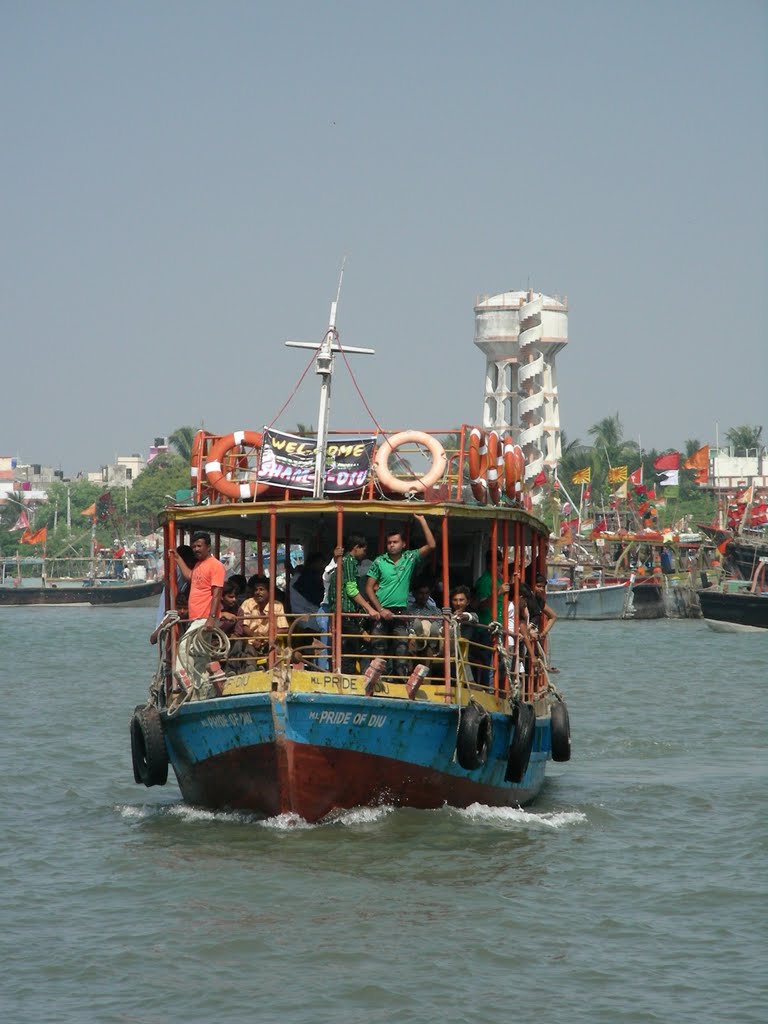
22 523
637 476
669 461
34 538
651 493
587 492
540 480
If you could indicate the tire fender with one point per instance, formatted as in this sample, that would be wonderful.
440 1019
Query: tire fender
521 745
474 738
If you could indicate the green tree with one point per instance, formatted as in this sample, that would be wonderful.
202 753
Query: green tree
611 448
181 441
155 488
745 438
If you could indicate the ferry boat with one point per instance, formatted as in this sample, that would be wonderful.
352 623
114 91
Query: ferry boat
289 731
738 605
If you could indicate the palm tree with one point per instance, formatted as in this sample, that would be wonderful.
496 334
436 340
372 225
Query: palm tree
611 448
304 429
692 445
744 438
181 441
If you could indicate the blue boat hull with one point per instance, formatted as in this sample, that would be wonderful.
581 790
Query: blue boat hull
312 754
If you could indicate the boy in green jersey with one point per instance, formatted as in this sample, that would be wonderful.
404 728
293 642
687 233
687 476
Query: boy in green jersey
389 581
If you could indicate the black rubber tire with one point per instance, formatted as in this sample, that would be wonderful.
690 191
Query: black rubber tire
560 731
148 751
475 737
522 743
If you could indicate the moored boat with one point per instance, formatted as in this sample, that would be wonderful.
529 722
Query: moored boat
314 724
738 605
598 601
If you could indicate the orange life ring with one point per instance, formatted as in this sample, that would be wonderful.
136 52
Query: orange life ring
240 491
495 466
478 465
514 468
418 484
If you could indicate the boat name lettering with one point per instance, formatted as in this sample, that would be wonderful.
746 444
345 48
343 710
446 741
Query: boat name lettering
230 718
348 718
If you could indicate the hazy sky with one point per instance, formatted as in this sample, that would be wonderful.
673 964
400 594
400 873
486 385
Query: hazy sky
180 181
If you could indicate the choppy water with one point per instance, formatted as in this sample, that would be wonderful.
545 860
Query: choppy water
634 890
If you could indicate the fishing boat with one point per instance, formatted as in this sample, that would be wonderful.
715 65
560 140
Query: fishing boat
738 605
30 582
303 728
591 602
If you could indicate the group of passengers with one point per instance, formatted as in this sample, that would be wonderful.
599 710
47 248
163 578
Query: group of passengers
387 611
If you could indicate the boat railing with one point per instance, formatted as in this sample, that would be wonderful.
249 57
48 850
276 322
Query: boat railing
495 661
227 468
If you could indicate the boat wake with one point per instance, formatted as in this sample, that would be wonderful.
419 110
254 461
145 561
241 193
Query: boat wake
515 816
504 817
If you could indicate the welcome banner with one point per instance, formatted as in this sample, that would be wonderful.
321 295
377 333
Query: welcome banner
289 461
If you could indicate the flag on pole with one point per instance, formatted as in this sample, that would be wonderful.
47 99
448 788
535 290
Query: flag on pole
104 506
621 492
540 480
669 461
699 460
636 476
39 537
582 476
670 478
22 523
90 511
617 475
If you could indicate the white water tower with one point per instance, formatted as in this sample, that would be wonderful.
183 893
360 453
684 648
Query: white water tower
521 334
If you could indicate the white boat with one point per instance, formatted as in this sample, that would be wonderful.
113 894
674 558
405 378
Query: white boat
604 601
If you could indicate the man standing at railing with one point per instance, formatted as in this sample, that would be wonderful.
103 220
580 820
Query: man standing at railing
389 582
352 601
206 578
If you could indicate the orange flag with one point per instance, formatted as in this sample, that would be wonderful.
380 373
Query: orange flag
699 459
39 537
90 511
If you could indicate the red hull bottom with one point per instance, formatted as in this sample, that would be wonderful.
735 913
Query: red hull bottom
312 782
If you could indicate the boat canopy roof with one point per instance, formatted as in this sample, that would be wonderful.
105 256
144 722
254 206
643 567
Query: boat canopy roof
247 520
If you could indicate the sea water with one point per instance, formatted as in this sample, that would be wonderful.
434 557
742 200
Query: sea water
633 890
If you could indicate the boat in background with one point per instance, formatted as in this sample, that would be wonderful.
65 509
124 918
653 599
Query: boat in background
738 605
29 582
592 602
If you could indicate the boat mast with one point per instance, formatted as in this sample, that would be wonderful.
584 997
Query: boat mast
324 369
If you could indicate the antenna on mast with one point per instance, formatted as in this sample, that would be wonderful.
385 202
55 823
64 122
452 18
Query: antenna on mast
324 368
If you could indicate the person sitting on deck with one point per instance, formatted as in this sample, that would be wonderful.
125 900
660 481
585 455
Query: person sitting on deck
352 601
253 618
389 580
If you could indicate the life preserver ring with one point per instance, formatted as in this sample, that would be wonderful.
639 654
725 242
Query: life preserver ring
148 751
240 491
495 466
560 732
514 468
478 465
390 482
522 742
475 736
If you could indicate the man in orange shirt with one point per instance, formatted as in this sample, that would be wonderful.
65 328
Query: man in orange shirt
206 580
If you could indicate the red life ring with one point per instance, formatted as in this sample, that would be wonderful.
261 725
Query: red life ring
478 465
495 466
514 468
418 484
239 491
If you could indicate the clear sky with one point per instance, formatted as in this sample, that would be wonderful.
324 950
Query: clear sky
180 181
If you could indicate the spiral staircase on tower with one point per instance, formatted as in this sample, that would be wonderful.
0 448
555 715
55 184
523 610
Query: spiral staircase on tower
530 382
